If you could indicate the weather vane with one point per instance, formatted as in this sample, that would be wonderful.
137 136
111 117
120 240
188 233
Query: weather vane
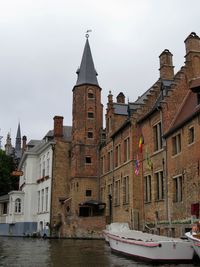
87 35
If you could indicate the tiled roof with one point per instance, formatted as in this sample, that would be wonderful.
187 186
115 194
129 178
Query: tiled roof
188 110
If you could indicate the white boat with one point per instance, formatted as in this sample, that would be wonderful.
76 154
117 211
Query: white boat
149 247
195 239
114 227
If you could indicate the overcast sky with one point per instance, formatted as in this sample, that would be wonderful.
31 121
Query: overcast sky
42 41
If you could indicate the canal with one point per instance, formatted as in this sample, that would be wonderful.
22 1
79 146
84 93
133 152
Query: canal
25 252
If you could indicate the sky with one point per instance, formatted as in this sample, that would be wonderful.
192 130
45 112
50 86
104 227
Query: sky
42 42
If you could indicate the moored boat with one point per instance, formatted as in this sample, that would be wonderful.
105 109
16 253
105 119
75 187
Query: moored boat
195 239
149 247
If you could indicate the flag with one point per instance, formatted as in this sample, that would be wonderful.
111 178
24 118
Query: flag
141 142
137 164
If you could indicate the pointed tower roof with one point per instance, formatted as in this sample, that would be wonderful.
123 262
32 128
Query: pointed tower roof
18 136
18 149
87 73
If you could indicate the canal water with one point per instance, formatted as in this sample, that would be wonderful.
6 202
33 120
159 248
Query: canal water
25 252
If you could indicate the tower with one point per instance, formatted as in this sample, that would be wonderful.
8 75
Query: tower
86 130
18 149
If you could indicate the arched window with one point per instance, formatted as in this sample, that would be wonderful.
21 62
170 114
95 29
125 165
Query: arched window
18 205
90 94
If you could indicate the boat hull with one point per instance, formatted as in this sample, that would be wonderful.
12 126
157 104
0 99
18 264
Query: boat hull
195 243
163 251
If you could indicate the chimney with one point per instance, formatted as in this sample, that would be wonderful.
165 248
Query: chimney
110 98
121 98
166 65
58 127
24 139
192 46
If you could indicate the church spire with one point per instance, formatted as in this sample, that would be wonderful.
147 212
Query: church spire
18 149
87 73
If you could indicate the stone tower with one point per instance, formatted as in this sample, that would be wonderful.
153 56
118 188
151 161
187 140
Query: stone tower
86 131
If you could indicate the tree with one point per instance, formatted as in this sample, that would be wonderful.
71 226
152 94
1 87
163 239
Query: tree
7 182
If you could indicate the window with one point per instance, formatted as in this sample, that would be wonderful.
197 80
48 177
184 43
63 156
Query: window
157 135
117 155
88 160
5 208
191 135
147 188
117 192
110 155
88 193
90 95
38 201
42 199
48 163
126 149
43 167
126 190
195 210
18 205
178 188
90 134
46 198
40 170
176 144
159 185
90 115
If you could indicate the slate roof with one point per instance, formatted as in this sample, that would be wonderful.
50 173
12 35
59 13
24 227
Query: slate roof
120 109
4 198
123 109
164 87
67 132
87 73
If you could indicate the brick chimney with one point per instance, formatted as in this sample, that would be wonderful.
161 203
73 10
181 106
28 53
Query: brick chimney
192 45
121 98
166 65
58 127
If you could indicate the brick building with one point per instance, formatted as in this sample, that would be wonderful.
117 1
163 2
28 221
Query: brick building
143 168
164 195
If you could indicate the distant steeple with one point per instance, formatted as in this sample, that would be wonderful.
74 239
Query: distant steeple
87 73
18 149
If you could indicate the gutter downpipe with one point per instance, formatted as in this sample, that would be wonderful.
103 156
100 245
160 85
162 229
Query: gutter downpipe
167 206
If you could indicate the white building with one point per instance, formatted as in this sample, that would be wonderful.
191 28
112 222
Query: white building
27 211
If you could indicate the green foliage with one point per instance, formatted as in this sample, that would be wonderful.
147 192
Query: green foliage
7 182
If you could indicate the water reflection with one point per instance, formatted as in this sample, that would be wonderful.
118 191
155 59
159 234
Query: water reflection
24 252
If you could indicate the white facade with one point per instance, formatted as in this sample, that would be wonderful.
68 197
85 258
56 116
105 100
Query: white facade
29 208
